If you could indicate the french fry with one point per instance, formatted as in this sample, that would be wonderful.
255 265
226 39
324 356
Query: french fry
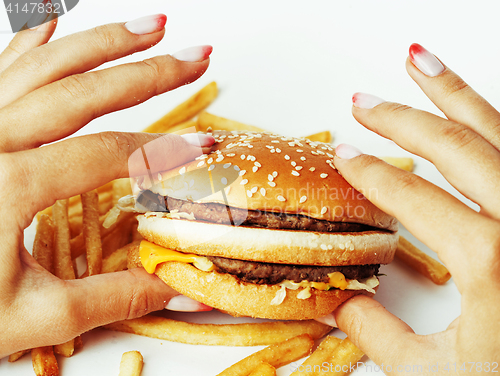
276 355
422 263
186 127
117 261
264 369
63 263
44 361
343 360
78 242
400 162
207 121
185 111
324 136
131 364
118 238
43 246
91 231
314 364
63 267
18 355
254 334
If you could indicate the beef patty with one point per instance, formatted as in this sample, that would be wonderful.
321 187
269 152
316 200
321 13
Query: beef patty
218 213
271 274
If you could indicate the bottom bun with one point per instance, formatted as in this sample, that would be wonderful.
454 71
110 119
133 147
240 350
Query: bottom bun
226 293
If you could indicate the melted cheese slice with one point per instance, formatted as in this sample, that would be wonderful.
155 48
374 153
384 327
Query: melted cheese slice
152 255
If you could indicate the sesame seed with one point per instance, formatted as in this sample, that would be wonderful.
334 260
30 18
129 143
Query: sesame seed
224 181
255 168
200 164
303 199
312 169
322 176
269 147
219 159
210 160
299 151
270 177
272 151
257 164
281 198
182 170
244 181
271 183
230 155
287 157
236 168
254 189
242 172
226 165
250 146
275 173
249 193
295 173
324 209
275 141
302 158
298 168
330 155
278 150
294 163
292 144
242 157
263 191
211 167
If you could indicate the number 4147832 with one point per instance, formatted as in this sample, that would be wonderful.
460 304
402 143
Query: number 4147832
33 8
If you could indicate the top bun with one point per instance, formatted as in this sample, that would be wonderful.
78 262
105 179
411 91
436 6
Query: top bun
269 172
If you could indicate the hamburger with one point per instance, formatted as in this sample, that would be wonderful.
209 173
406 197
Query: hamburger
262 226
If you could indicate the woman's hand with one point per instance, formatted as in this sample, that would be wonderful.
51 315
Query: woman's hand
45 95
466 150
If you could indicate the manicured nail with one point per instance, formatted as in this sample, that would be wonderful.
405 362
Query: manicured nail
426 62
328 320
367 101
199 139
38 18
182 303
345 151
194 54
147 25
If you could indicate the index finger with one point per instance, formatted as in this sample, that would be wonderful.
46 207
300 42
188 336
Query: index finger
435 217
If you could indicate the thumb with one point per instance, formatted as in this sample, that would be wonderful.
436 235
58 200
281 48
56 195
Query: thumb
377 332
105 298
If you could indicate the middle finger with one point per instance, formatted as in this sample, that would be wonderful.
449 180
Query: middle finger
78 53
474 171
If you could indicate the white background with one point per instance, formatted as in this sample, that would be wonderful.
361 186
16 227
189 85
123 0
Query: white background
292 67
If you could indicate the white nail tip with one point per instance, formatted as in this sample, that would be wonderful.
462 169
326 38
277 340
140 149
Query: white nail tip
184 304
328 320
146 25
367 101
193 54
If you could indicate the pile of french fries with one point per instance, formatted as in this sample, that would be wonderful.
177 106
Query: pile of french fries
74 227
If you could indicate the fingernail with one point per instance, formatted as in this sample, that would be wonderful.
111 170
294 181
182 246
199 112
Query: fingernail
345 151
328 320
426 62
194 54
199 139
367 101
38 18
147 25
182 303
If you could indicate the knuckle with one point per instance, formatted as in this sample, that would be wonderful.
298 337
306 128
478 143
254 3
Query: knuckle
455 136
104 37
398 108
406 184
139 304
453 84
154 71
79 86
116 146
34 61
